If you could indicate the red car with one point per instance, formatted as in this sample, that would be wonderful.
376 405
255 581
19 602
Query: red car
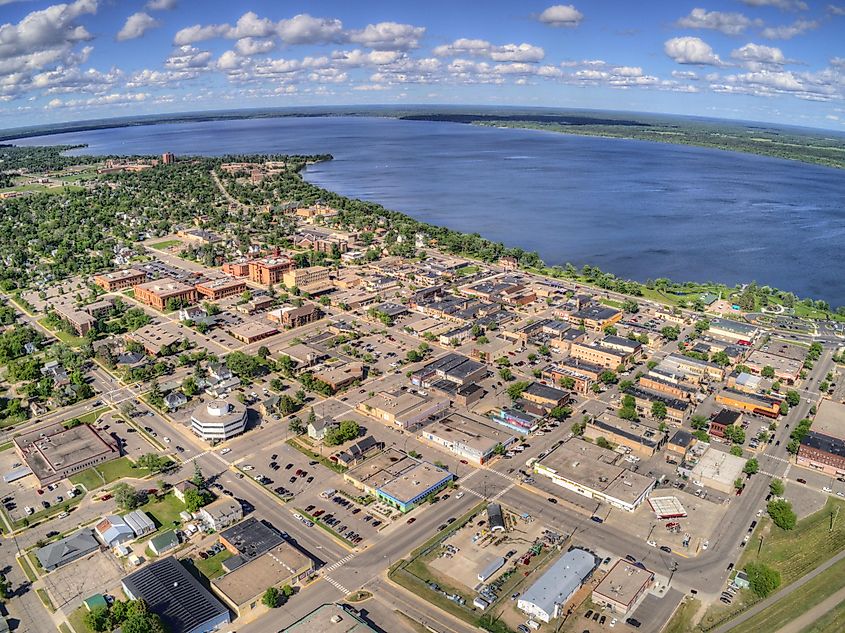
411 520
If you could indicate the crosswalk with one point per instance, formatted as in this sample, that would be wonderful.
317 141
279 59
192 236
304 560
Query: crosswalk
339 563
336 585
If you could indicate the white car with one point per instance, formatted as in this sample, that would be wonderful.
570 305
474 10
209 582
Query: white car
705 545
167 440
827 489
652 543
459 495
226 450
249 467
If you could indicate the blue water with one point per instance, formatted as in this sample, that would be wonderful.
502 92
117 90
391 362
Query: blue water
640 210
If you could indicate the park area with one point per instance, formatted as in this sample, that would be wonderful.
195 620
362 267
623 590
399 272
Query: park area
108 472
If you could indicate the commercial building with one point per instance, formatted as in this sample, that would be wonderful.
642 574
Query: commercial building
605 357
236 269
242 588
545 396
622 587
120 279
222 513
292 317
822 453
722 420
154 337
679 445
595 317
81 321
357 452
305 278
253 331
270 270
339 375
830 419
173 594
676 390
718 470
733 330
786 369
675 409
159 292
467 437
495 519
331 618
522 422
643 437
402 408
582 381
693 367
247 540
413 485
162 543
752 402
216 289
64 551
455 368
55 453
545 599
115 530
592 471
219 420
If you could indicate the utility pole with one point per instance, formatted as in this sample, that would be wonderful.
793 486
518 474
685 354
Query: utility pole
760 546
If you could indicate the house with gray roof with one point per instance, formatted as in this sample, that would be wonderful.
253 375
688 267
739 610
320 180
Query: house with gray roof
67 550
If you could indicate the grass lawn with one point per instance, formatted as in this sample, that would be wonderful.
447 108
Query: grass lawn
212 567
64 628
611 303
799 551
45 598
466 271
103 474
6 446
77 620
28 571
681 622
64 337
325 461
164 511
831 622
800 601
92 416
163 246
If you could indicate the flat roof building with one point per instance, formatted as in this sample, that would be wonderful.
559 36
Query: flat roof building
622 587
270 270
733 330
222 513
242 588
247 540
467 437
752 402
331 618
718 470
456 368
822 453
219 420
173 594
402 408
830 419
546 597
253 331
786 369
591 471
159 292
643 437
54 452
595 317
411 487
120 279
216 289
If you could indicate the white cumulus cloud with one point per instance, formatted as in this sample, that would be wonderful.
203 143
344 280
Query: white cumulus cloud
136 25
691 50
784 5
482 48
787 32
388 36
160 5
727 23
561 15
752 52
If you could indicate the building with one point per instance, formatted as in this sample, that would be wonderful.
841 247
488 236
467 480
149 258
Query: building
468 438
592 471
560 373
822 453
317 429
751 402
113 531
357 452
595 317
522 422
339 375
269 270
173 594
830 419
242 588
164 542
545 396
413 486
679 445
54 453
331 618
718 470
305 278
698 369
222 513
495 519
64 551
545 598
248 540
402 408
722 420
168 158
216 289
292 317
733 330
676 390
179 489
236 269
81 321
253 331
120 279
219 420
622 587
786 369
605 357
174 400
161 291
643 437
676 410
452 367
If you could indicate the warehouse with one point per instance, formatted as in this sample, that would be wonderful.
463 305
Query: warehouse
622 587
467 437
718 470
545 599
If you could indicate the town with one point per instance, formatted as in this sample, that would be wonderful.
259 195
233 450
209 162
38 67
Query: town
354 428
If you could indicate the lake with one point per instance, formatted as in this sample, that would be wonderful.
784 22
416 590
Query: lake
640 210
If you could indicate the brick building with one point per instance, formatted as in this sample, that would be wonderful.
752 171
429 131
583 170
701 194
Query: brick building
157 293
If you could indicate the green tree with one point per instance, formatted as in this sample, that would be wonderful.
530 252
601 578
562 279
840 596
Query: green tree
567 382
658 410
793 397
97 619
505 374
608 377
699 422
603 443
751 467
736 451
515 390
296 426
153 462
776 487
768 372
196 498
126 497
670 332
739 483
197 479
762 578
782 514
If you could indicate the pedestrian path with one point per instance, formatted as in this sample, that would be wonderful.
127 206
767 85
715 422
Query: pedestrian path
339 563
336 585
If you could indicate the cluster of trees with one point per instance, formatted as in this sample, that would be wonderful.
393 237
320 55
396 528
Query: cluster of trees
13 342
311 383
273 598
197 498
628 410
782 514
345 431
245 366
154 462
762 579
132 616
797 434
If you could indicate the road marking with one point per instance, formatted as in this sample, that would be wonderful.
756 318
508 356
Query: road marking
336 585
339 563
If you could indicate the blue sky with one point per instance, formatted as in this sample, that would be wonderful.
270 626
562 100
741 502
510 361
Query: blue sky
764 60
